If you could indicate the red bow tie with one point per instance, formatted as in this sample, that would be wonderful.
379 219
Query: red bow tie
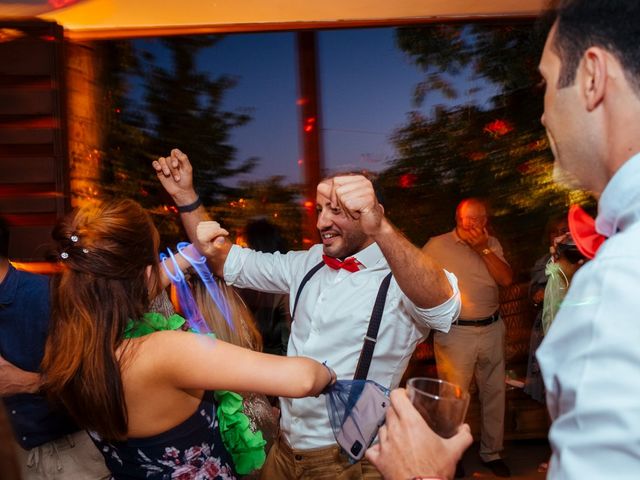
583 231
350 264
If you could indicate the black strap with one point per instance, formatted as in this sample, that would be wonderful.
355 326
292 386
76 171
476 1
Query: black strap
304 281
366 354
362 370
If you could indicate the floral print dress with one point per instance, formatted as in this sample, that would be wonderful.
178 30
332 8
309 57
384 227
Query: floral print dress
192 450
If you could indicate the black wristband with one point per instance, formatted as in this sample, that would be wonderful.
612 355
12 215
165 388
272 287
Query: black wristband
189 208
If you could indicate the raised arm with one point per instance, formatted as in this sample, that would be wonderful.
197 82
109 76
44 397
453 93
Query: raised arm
176 176
420 278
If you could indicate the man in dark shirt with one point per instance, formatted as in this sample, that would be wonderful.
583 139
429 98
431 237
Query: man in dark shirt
50 445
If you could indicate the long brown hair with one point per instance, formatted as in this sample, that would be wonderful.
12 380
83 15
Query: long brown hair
104 249
244 333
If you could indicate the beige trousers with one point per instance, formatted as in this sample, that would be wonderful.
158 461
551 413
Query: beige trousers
72 457
286 463
480 350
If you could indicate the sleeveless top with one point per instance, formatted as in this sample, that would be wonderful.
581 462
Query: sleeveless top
191 450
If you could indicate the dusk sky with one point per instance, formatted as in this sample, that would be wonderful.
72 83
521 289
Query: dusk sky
366 85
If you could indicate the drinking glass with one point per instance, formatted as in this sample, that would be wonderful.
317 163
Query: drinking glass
443 405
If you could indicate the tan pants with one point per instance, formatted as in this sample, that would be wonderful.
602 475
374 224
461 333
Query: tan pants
72 457
286 463
480 350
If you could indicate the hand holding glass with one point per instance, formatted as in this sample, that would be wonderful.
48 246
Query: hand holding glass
443 405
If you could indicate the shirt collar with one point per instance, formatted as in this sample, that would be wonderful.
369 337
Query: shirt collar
456 237
369 256
618 205
8 286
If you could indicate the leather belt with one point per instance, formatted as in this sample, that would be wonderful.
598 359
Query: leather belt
482 322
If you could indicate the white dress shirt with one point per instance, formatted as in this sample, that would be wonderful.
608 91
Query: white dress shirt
331 321
590 358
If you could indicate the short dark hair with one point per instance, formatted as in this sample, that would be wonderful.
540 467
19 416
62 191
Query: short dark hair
610 24
4 238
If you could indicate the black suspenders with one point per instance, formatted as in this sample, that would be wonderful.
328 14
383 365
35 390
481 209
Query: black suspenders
366 354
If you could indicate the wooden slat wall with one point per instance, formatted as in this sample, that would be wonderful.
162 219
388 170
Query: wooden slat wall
33 156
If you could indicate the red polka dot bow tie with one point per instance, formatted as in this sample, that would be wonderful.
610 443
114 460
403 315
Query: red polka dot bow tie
583 231
350 264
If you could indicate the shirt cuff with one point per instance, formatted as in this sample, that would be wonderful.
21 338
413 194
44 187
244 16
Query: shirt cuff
234 263
440 317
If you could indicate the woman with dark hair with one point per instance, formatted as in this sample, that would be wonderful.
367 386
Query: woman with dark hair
146 400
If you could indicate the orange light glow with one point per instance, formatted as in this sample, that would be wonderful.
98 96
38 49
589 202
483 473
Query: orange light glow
241 241
477 156
43 268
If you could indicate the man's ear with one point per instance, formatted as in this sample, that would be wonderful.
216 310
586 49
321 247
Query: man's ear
594 76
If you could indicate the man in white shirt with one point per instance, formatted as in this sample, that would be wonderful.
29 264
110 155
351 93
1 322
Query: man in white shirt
334 308
590 358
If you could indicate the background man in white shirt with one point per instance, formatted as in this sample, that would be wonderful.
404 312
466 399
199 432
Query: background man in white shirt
334 309
590 358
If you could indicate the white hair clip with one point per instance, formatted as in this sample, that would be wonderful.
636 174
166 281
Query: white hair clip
64 255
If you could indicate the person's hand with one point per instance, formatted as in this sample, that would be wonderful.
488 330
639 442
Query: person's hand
211 239
355 196
477 238
14 380
538 296
409 448
568 268
176 176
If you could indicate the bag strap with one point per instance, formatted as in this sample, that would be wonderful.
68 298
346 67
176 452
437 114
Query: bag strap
304 281
370 339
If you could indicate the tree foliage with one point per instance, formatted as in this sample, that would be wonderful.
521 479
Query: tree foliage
184 107
498 153
270 199
180 106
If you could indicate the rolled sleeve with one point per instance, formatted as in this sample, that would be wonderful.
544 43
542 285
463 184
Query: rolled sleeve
441 316
233 264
